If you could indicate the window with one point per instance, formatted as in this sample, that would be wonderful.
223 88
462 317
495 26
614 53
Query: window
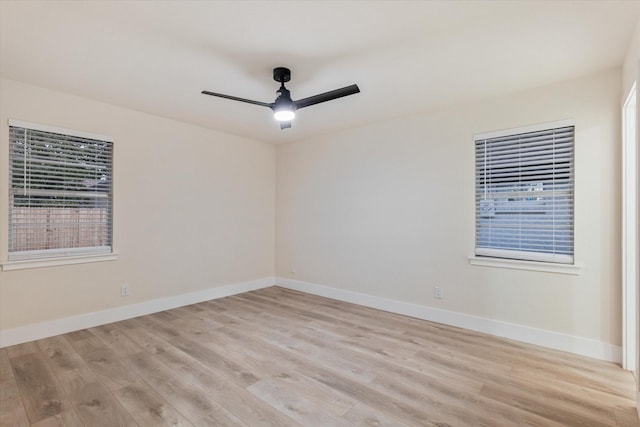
524 193
60 193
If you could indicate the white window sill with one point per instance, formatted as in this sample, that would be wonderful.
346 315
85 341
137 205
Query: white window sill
54 262
525 265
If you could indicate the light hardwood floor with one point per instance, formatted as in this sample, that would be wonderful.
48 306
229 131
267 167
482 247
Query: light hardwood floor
278 357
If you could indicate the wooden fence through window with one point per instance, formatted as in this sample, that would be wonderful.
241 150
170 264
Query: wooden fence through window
57 228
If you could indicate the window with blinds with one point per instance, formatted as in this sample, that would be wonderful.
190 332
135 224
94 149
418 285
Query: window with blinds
524 194
60 193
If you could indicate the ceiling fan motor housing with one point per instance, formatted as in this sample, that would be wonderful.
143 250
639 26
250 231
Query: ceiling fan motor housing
281 74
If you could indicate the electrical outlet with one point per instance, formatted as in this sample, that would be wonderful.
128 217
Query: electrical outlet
437 292
293 269
124 290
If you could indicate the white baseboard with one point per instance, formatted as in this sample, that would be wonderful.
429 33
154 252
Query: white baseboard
578 345
41 330
550 339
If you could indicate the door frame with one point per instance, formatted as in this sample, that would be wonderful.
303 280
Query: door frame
630 231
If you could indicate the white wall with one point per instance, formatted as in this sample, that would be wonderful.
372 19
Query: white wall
387 210
193 210
630 65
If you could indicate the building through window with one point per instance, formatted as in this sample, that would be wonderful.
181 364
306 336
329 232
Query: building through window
524 194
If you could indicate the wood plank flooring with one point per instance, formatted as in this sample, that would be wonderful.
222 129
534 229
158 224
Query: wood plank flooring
276 357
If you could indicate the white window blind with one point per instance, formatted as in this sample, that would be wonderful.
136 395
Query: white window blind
524 195
60 193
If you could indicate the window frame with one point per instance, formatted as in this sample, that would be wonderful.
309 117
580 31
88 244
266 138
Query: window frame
64 256
485 257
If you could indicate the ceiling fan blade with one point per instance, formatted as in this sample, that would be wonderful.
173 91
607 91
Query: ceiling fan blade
327 96
235 98
285 125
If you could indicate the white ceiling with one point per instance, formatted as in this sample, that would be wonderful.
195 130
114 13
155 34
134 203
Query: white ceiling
406 56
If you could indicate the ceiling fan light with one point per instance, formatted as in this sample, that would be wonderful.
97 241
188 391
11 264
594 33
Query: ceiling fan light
284 115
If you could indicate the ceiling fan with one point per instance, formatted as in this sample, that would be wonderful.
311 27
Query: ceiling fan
284 107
